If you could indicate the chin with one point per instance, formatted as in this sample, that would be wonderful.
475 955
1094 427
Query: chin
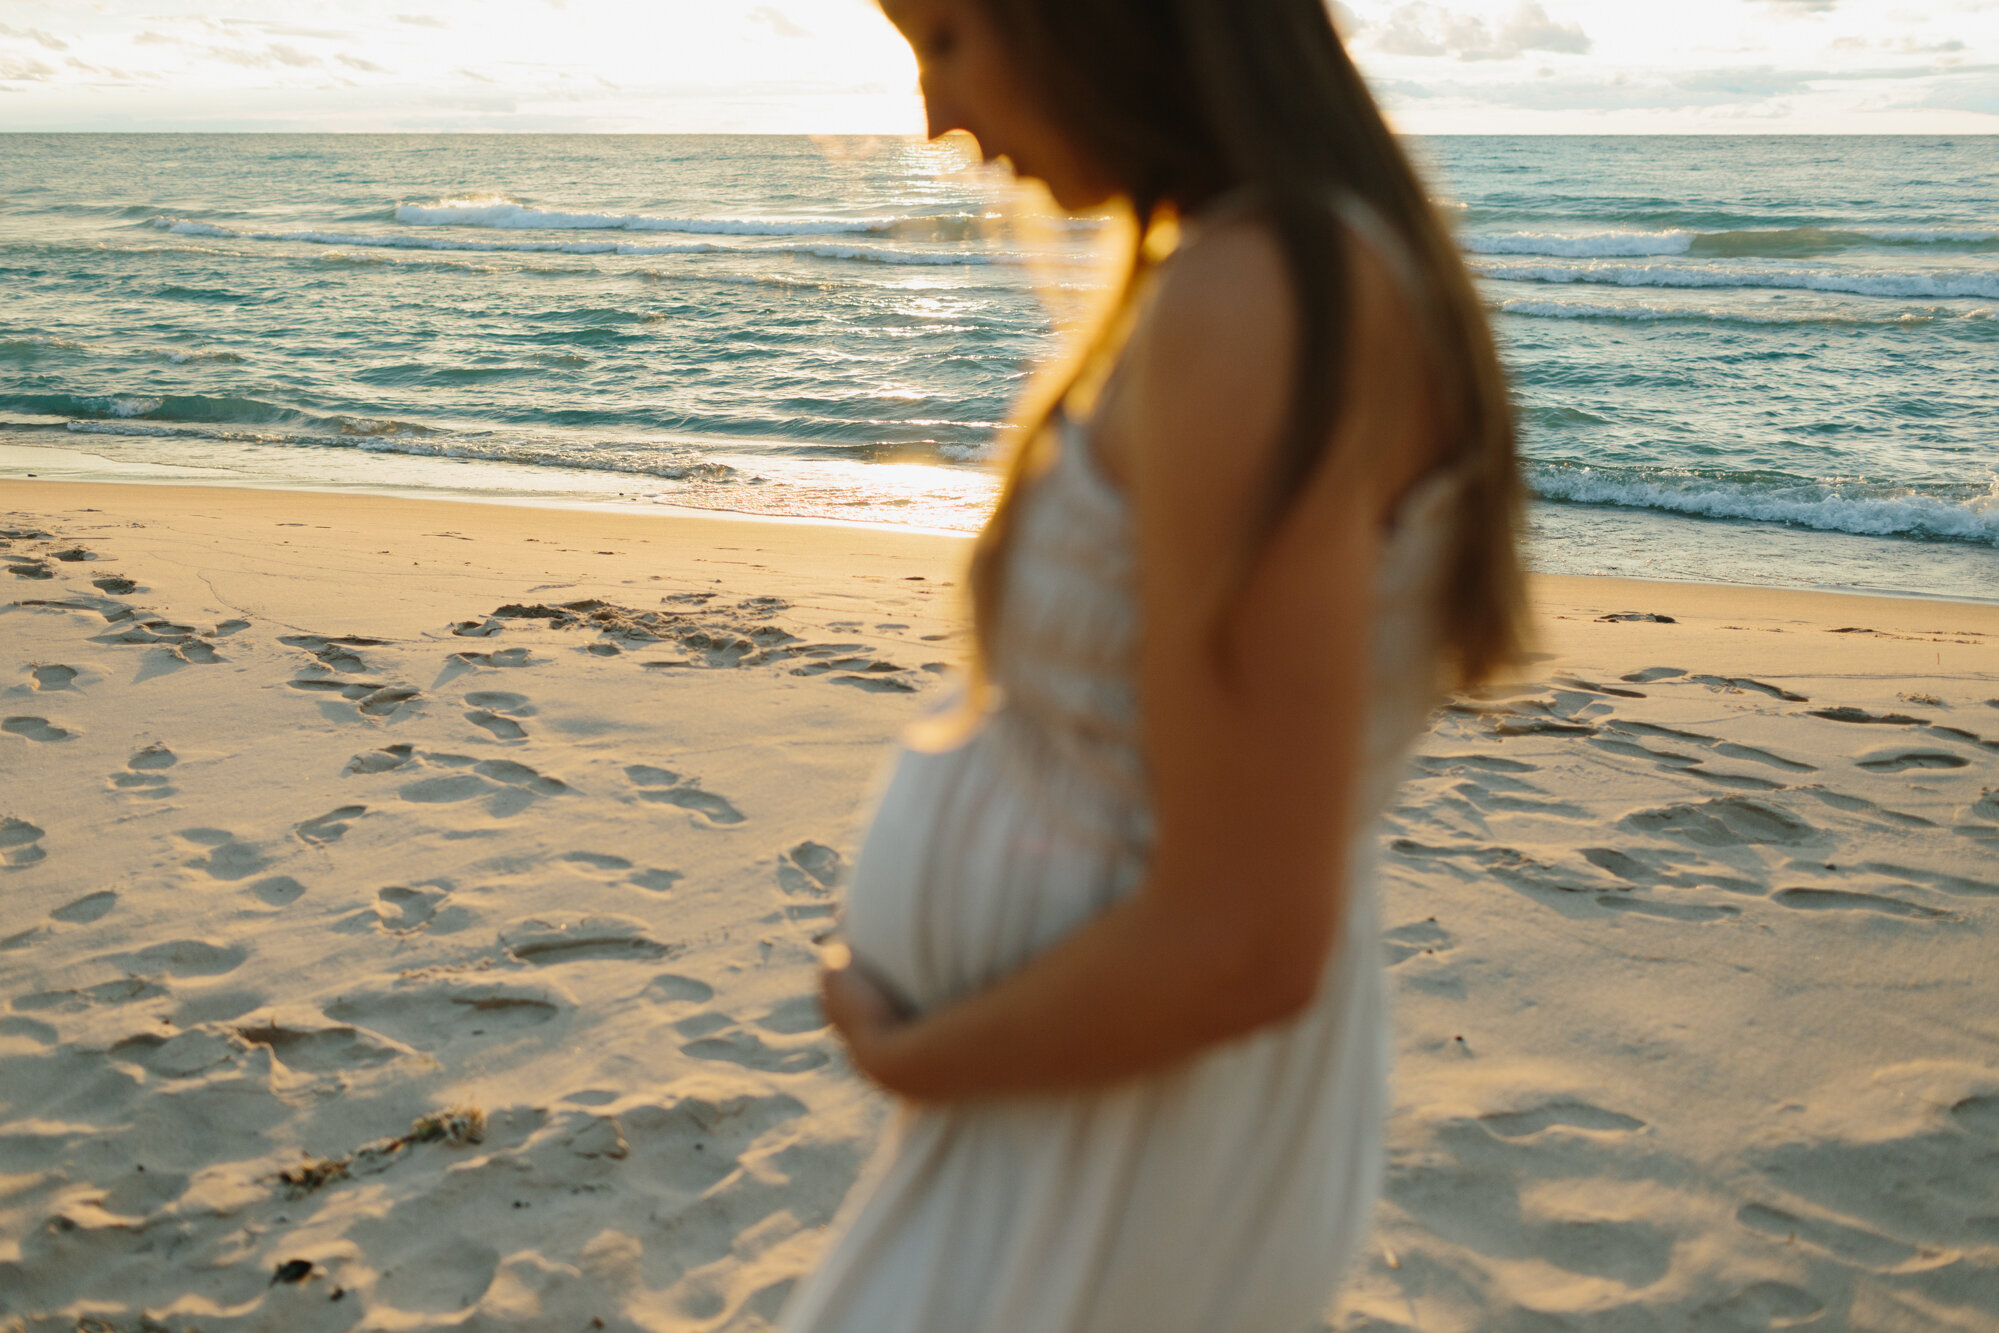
1073 196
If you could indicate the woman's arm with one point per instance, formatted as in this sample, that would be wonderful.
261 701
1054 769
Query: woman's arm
1252 751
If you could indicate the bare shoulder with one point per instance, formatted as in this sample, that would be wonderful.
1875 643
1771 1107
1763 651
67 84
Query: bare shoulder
1207 380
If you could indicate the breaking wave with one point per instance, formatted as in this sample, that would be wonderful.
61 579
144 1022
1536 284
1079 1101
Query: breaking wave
876 254
1944 513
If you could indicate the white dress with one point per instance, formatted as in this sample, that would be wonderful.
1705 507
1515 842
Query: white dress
1225 1195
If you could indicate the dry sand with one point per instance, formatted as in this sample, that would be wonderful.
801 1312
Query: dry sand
373 958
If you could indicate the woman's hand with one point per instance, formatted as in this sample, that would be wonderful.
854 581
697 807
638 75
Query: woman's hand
864 1012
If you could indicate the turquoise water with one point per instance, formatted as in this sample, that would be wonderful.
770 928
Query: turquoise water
1755 360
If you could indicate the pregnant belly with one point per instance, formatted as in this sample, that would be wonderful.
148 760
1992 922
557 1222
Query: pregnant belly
977 859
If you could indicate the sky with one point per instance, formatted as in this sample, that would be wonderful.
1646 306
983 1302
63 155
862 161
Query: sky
835 66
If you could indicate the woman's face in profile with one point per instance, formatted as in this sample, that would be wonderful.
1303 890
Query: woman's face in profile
972 83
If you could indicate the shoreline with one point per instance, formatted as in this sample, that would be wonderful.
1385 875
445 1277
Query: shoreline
408 913
644 510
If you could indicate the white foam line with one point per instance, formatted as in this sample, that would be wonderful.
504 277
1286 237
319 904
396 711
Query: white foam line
505 214
1646 314
1912 286
1875 516
872 254
1591 245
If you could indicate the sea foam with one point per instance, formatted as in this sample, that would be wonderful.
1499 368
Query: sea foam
506 214
1931 285
1529 308
877 254
1822 506
1764 242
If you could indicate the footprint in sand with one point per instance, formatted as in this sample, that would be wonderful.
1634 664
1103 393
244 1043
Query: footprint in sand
794 1017
1730 821
667 788
1563 1115
596 860
387 702
501 701
502 728
54 677
1743 684
504 657
278 890
1763 1305
669 988
195 653
352 690
383 760
323 1050
335 653
152 759
1861 717
547 940
430 1012
1760 756
1841 900
403 911
90 907
38 729
808 874
752 1052
445 790
520 775
115 585
183 1055
180 958
1897 760
227 859
20 844
331 826
513 787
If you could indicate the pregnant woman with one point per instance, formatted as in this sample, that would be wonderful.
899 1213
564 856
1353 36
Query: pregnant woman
1113 929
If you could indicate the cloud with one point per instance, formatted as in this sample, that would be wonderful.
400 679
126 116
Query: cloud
151 38
421 21
355 62
1802 6
49 40
24 69
1423 29
776 22
290 30
1530 29
291 55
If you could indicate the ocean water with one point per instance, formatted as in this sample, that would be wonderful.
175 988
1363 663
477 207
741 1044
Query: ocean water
1762 360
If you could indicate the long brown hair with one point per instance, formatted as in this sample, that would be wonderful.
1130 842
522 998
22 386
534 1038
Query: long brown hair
1185 101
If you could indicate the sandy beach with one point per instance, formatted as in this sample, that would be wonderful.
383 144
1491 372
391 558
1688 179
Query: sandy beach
407 913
